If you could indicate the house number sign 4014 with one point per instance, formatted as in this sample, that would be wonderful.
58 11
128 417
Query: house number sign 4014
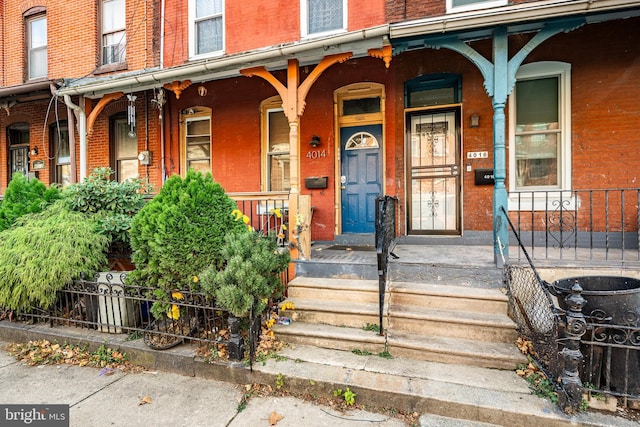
316 154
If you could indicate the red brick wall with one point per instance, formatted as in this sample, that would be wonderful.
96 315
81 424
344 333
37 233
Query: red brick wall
73 37
250 25
255 24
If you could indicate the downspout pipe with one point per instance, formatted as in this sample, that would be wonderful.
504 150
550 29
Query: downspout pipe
82 131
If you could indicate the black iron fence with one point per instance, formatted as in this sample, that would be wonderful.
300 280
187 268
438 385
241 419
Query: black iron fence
585 331
598 225
106 304
385 241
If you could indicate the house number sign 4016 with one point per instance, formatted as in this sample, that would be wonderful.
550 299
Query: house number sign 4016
316 154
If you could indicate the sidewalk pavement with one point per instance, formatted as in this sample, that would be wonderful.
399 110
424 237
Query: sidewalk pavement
174 400
186 391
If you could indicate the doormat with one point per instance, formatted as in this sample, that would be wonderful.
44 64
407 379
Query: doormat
351 248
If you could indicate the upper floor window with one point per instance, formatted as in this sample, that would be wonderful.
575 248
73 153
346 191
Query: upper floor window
323 16
464 5
36 26
195 144
540 132
114 36
206 27
60 153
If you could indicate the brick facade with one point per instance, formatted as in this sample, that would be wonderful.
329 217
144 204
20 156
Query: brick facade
605 88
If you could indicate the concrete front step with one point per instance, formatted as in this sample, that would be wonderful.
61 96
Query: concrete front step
457 324
331 289
336 313
466 393
442 296
497 355
332 337
435 349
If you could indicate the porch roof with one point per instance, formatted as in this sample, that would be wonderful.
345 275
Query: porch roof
307 52
519 18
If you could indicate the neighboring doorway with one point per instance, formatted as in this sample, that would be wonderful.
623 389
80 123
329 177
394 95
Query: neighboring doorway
18 137
434 171
360 173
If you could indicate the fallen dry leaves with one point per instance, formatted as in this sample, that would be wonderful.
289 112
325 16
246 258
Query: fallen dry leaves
145 400
274 418
44 352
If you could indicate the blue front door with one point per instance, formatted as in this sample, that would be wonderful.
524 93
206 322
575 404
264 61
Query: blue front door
361 176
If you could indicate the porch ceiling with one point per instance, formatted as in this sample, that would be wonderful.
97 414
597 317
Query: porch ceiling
307 52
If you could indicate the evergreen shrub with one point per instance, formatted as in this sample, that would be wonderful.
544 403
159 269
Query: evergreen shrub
251 275
46 251
23 197
178 234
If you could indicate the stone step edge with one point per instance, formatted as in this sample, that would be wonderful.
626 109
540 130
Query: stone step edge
464 317
455 347
438 398
449 291
396 313
331 283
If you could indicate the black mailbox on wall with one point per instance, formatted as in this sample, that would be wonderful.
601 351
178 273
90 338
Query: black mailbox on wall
316 182
484 177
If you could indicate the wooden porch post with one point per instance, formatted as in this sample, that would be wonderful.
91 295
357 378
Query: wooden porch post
293 97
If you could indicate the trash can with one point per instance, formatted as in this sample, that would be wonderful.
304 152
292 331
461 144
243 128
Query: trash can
616 302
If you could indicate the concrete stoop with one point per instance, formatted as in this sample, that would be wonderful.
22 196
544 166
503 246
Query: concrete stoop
447 394
432 322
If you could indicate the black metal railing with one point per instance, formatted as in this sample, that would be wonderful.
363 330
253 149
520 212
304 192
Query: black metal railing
596 225
106 304
597 352
267 212
385 242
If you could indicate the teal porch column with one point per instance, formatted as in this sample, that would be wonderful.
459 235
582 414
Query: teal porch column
500 92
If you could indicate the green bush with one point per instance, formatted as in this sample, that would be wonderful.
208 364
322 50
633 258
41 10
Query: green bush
23 197
250 276
179 233
46 251
113 203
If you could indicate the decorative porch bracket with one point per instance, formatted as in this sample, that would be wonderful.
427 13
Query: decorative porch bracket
93 115
293 96
499 81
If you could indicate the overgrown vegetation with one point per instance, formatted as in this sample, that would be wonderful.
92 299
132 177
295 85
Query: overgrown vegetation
112 203
24 197
348 395
250 276
44 252
180 233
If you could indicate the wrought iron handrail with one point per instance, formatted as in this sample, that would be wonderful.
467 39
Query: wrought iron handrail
385 241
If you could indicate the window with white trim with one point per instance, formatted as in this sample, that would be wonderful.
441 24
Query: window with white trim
540 128
464 5
36 46
60 153
114 35
275 143
319 17
206 27
125 150
196 139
